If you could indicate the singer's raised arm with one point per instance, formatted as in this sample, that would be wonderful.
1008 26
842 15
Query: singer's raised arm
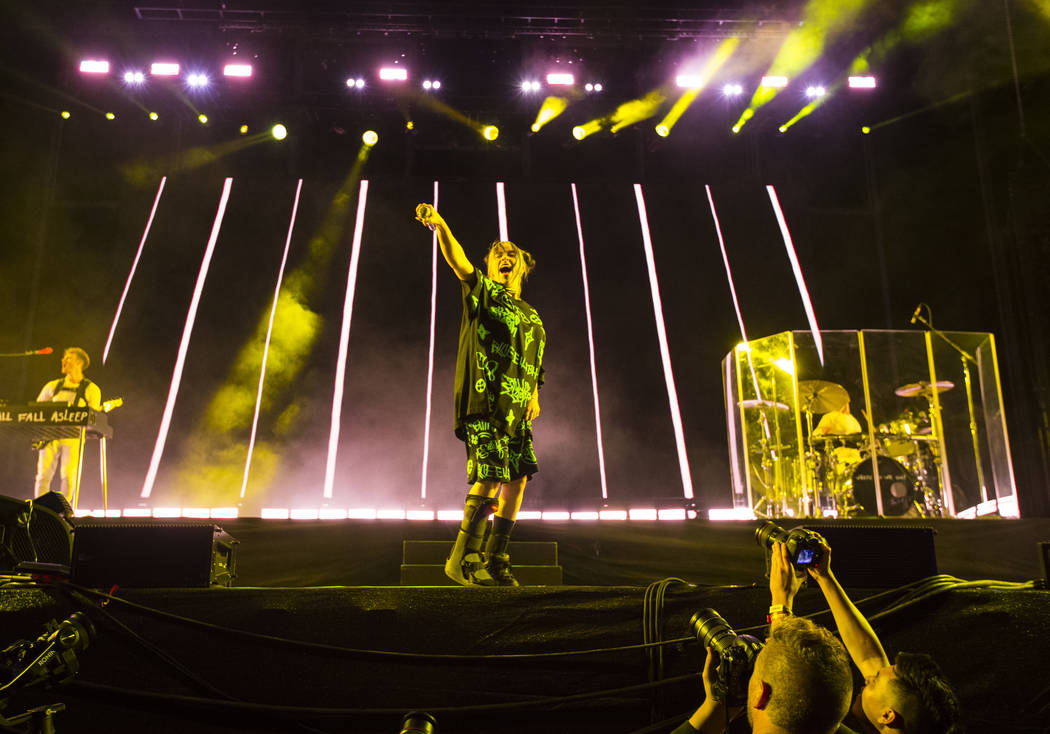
450 247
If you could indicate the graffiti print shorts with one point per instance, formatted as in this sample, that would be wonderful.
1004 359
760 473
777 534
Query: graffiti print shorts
493 456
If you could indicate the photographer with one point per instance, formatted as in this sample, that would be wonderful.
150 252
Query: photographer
801 679
911 696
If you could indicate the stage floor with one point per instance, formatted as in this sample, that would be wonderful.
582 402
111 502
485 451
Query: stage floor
316 637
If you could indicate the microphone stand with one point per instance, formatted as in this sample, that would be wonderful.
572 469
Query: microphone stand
966 359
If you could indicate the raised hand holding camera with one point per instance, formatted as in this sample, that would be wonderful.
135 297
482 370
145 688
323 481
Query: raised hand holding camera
805 548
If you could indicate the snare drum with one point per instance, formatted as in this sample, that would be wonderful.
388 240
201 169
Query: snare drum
900 488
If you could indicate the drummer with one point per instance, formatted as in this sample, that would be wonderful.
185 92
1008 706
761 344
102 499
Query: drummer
837 423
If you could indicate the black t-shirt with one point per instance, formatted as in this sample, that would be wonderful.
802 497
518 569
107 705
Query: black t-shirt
499 364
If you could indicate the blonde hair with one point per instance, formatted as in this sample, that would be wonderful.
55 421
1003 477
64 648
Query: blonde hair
524 256
80 354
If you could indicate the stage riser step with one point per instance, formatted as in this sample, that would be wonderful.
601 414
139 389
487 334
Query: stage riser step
434 575
527 553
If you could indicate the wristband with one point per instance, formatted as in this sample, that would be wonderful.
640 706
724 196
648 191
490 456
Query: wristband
777 610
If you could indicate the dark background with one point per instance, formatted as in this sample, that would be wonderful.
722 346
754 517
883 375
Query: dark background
945 202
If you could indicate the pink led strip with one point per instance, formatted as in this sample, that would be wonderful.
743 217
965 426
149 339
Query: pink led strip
134 265
501 205
665 354
797 269
184 344
590 345
344 342
430 354
269 333
725 261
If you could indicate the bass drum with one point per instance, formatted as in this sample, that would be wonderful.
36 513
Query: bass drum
900 489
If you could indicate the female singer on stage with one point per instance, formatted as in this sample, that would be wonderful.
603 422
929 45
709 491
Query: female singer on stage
498 375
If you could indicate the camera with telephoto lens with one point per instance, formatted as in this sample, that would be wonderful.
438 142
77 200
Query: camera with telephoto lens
735 656
805 548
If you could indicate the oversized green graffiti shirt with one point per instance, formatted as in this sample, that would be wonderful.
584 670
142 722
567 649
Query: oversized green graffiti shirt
501 342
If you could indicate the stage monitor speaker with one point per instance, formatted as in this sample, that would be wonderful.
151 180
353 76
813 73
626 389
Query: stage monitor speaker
153 555
879 557
33 537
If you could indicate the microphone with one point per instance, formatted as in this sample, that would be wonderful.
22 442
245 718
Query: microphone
915 316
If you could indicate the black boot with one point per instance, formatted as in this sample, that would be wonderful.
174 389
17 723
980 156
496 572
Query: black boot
497 560
465 564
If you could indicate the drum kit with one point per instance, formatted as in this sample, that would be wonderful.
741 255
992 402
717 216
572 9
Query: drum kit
846 470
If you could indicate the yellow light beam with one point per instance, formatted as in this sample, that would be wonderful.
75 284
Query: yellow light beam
718 58
551 108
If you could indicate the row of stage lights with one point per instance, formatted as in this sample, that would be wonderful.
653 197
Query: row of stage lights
199 79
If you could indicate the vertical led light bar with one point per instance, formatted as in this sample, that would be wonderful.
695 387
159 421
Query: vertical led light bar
134 265
797 270
501 204
725 261
269 333
665 354
430 354
590 345
344 342
184 344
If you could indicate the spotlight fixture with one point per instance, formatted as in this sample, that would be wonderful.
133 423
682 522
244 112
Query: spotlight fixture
94 66
862 82
164 68
732 90
777 82
110 116
490 132
202 118
431 84
663 131
197 81
689 81
355 83
593 86
814 92
393 74
370 138
134 77
154 116
409 125
865 130
279 131
530 85
240 70
560 79
244 129
64 114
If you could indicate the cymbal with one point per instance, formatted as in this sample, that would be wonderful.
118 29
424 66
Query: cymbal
821 396
763 405
925 389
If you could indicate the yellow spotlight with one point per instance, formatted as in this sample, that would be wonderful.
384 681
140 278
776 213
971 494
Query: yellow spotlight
783 128
65 114
110 116
551 108
154 116
202 118
636 110
490 132
662 130
721 55
588 128
410 125
865 129
279 131
748 114
370 138
244 129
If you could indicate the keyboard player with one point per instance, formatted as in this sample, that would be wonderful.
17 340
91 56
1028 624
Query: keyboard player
63 454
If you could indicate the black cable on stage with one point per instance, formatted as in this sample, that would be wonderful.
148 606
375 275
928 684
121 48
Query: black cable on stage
357 651
321 712
652 631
